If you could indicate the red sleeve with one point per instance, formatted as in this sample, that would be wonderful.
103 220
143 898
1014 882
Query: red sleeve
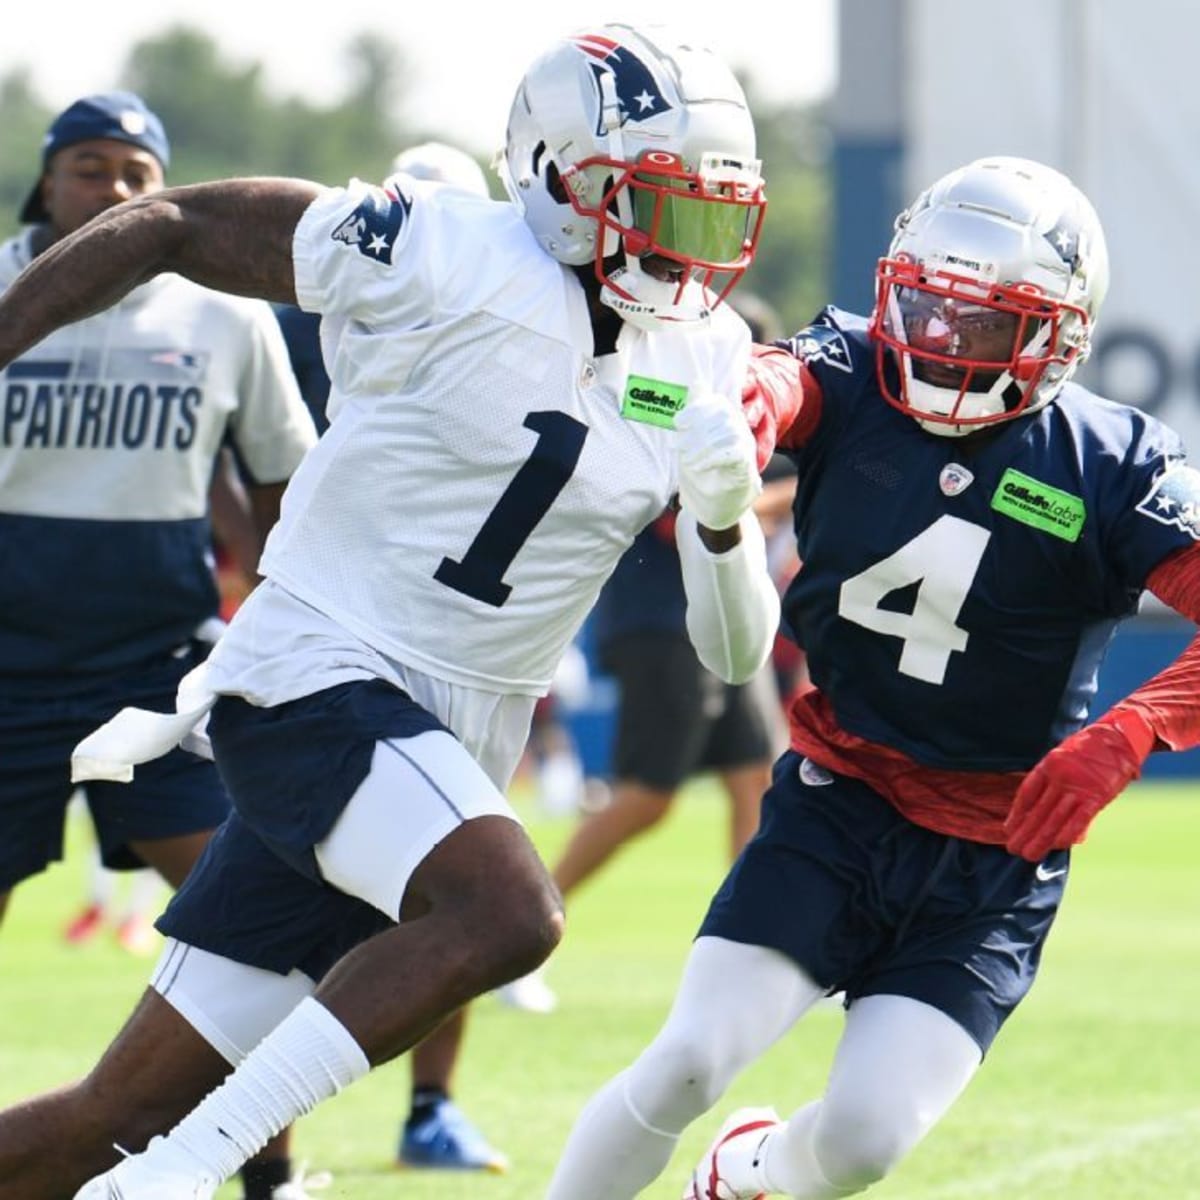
781 399
1170 702
664 526
1176 582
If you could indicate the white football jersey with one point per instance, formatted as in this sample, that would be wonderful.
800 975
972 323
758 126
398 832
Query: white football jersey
484 469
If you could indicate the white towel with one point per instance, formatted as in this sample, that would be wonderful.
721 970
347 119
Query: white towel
137 735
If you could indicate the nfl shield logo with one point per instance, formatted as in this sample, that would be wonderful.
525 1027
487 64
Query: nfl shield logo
954 479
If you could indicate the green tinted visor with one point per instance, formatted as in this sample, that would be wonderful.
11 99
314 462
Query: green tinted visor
712 226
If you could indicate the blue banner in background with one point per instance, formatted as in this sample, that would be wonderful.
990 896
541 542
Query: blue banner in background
1141 648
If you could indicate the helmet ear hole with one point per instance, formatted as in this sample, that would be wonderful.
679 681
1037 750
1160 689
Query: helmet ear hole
554 183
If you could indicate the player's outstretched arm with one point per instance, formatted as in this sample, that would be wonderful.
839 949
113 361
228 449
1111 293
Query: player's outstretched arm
1061 796
234 235
781 401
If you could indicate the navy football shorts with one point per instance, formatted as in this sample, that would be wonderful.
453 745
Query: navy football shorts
256 896
169 797
868 903
675 718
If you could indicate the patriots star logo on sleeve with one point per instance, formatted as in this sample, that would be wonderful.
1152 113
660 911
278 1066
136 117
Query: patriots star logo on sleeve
1174 499
825 343
372 228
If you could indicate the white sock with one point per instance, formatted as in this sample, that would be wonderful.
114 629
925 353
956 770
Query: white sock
561 781
788 1163
308 1057
101 881
145 888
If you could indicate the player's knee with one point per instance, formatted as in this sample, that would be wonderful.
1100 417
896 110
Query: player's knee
689 1070
529 924
857 1147
522 925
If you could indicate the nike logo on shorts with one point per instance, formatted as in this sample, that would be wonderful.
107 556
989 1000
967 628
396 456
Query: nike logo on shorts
813 774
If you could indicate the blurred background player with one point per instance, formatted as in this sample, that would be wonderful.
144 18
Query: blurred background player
972 525
236 544
130 918
115 425
561 787
675 719
436 1133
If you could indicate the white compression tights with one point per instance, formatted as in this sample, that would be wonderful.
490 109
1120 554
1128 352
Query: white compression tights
899 1066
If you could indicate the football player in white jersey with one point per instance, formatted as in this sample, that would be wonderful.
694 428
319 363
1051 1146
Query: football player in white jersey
112 427
518 389
436 1133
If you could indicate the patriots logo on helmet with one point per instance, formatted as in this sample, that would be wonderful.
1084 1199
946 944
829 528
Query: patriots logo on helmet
373 226
825 343
1064 238
638 93
1174 499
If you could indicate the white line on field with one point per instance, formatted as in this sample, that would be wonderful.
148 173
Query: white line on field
1116 1142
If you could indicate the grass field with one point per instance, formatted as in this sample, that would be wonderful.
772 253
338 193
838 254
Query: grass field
1092 1092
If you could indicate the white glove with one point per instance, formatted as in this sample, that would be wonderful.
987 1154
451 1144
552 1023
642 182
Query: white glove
718 465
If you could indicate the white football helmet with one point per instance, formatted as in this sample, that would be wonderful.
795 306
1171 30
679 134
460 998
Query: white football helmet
628 144
988 296
442 164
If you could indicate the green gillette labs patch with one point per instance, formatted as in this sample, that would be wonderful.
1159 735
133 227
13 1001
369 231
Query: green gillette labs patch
653 401
1038 504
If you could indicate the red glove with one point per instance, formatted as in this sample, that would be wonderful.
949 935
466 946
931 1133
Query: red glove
1059 798
779 397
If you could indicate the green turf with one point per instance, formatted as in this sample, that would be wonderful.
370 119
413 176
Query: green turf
1092 1092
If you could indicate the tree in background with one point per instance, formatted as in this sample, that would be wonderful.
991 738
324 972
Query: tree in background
224 122
791 269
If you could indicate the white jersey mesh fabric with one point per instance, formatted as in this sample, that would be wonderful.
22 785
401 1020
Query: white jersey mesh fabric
478 481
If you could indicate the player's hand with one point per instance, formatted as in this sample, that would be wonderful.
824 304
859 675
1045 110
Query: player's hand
1060 797
718 468
772 394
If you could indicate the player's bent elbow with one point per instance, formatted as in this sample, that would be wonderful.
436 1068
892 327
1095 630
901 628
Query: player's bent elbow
738 660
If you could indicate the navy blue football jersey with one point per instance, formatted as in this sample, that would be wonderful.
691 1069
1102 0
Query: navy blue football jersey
645 592
957 595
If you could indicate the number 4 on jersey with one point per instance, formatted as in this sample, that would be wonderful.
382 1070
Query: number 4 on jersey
942 561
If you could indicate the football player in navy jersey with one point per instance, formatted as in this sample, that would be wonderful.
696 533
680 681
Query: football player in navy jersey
972 525
112 435
517 389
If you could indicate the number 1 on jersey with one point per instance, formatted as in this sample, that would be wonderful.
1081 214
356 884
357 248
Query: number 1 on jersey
942 560
525 502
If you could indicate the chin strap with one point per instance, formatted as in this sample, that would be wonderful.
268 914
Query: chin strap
649 311
649 299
